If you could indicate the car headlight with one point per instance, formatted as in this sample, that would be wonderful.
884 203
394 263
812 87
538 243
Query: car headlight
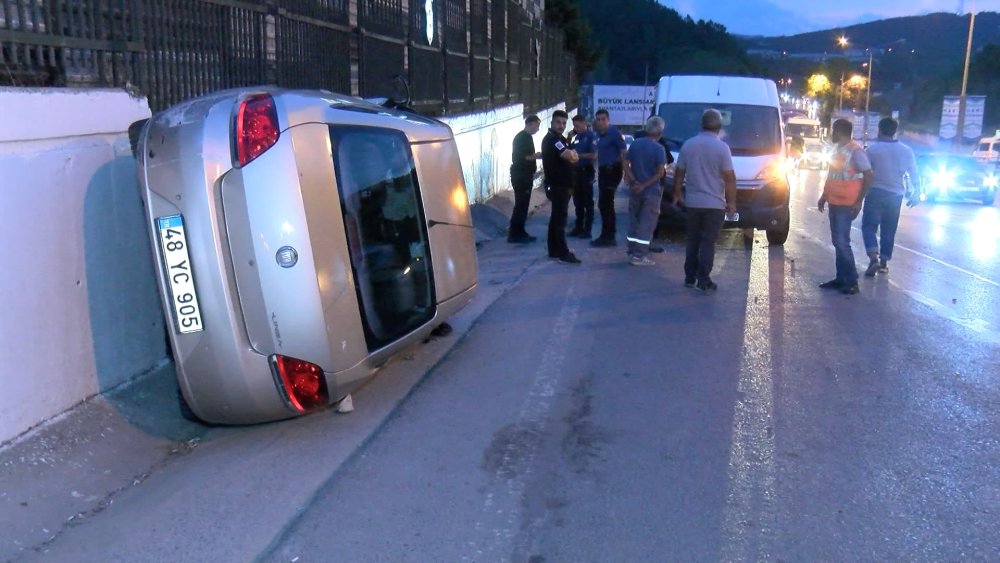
775 170
991 181
943 179
824 157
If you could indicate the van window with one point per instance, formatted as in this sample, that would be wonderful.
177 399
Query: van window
804 130
385 230
752 130
984 147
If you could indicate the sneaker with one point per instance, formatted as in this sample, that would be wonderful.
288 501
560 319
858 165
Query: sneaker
522 239
577 234
850 289
602 242
641 261
655 248
883 266
689 282
569 259
707 285
832 284
872 268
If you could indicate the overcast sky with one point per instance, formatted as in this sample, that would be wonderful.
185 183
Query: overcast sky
788 17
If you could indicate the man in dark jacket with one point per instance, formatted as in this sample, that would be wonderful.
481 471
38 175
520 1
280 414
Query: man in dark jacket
522 178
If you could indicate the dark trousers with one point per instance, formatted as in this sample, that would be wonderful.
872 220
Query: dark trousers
703 228
583 201
881 213
608 178
841 217
559 196
522 197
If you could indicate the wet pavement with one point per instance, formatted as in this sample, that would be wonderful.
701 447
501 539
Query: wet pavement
603 412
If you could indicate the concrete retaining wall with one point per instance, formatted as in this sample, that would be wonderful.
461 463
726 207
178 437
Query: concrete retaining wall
81 311
485 142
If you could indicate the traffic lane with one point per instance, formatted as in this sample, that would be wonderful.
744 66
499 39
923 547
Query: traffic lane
846 441
484 459
958 295
960 233
768 420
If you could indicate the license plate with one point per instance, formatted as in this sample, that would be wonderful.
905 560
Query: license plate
173 248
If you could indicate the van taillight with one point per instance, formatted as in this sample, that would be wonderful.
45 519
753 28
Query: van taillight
256 127
302 382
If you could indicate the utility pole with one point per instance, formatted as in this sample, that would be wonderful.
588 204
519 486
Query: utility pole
840 105
868 96
960 132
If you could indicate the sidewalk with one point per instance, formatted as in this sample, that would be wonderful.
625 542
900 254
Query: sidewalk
102 461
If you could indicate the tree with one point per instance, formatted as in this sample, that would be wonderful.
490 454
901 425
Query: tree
565 14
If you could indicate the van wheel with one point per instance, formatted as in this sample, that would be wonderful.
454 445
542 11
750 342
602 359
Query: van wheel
988 200
778 236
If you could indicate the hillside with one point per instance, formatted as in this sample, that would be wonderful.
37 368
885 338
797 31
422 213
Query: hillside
939 40
637 33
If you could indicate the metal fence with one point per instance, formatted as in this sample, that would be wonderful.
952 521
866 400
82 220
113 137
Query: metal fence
457 55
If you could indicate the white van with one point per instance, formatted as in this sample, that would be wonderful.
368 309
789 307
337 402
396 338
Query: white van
752 128
988 149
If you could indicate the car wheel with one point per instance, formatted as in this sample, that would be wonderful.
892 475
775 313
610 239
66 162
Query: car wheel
777 237
988 199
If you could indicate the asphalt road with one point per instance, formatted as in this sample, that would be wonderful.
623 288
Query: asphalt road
604 412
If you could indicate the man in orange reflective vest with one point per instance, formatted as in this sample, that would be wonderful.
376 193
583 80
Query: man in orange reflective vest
847 183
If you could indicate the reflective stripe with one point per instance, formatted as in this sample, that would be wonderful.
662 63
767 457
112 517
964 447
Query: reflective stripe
638 241
846 176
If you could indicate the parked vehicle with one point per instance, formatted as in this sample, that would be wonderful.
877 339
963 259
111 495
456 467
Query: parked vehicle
956 176
751 126
815 156
988 149
301 239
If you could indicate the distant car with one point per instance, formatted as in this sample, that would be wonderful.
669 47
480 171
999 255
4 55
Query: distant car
815 156
301 238
957 177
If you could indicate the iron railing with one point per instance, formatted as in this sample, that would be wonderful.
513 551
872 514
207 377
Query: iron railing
457 55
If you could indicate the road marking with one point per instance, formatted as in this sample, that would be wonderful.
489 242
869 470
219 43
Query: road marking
750 516
502 505
932 259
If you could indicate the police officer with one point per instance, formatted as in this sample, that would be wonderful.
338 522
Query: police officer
557 163
584 142
610 154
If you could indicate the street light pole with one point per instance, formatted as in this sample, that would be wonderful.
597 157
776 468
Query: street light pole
840 104
960 132
868 96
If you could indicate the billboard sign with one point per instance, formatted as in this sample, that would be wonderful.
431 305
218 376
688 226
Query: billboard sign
626 105
975 107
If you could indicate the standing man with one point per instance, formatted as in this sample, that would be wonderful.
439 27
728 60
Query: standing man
584 142
522 177
849 179
610 154
645 165
891 162
557 162
707 164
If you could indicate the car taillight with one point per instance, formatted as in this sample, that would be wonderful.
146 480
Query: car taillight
256 127
303 382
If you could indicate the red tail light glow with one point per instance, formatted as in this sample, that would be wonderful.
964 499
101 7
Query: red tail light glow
303 382
256 127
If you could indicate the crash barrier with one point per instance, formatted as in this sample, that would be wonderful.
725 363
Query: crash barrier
83 313
457 56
